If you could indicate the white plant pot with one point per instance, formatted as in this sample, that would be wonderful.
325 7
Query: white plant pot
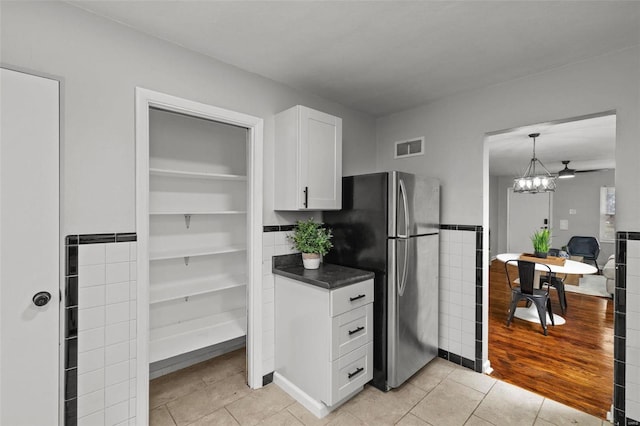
311 260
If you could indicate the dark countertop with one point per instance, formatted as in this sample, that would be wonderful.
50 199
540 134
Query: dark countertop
327 276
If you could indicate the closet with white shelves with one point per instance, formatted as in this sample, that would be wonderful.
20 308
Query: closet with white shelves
197 240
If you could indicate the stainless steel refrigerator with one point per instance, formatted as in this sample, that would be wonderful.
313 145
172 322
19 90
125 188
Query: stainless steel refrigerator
389 224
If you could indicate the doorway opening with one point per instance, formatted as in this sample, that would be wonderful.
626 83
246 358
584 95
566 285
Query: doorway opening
199 223
574 363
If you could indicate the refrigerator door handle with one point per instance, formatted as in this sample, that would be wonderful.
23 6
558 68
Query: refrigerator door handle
402 282
405 206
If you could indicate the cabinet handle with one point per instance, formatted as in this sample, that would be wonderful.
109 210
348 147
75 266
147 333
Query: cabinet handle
306 197
356 330
360 296
355 373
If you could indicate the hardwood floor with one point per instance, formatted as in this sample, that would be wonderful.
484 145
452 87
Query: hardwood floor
572 365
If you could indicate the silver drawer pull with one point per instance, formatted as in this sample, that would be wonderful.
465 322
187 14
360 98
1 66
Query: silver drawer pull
358 329
355 373
360 296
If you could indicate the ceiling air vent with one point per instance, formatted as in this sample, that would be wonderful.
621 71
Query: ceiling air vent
409 147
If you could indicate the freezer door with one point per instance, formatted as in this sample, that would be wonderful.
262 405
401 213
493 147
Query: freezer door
415 205
413 306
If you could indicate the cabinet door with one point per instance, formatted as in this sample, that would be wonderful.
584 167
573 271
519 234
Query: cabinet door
320 160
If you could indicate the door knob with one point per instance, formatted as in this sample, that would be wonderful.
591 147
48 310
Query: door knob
41 298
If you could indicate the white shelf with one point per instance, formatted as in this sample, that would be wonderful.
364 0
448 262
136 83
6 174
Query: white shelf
192 252
196 175
219 212
180 289
166 342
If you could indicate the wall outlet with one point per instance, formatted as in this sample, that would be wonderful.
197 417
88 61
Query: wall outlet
572 211
564 225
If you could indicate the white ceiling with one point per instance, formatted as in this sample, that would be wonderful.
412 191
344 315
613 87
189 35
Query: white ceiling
381 57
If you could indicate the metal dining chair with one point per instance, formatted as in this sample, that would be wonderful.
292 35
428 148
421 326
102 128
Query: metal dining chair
525 290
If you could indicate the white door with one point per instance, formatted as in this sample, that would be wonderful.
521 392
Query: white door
526 214
29 251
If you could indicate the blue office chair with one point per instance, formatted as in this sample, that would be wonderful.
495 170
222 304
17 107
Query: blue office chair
587 247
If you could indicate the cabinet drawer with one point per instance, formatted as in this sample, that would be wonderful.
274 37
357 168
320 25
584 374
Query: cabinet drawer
351 330
350 297
350 372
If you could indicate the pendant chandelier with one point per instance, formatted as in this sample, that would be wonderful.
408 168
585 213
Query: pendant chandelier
534 181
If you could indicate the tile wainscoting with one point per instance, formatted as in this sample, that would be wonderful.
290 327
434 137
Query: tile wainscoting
274 243
100 330
460 334
460 321
626 371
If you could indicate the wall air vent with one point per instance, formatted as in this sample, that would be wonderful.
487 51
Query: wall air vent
409 147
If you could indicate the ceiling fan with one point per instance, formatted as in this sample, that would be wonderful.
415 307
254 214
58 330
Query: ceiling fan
568 173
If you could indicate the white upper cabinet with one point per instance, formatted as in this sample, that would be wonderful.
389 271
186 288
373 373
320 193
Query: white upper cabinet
308 160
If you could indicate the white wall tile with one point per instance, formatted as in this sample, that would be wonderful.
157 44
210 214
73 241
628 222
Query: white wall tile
267 295
268 239
132 407
117 272
90 318
116 373
90 403
132 387
89 297
116 413
267 253
133 271
133 290
114 354
90 360
133 329
268 316
132 348
118 312
107 330
268 281
91 254
95 419
133 309
90 382
266 267
632 409
118 292
117 393
132 368
118 252
116 333
91 275
633 249
90 339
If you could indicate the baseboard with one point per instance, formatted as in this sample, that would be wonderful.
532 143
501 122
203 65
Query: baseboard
317 408
486 367
166 366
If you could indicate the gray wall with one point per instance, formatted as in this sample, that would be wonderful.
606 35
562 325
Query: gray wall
581 193
101 63
455 127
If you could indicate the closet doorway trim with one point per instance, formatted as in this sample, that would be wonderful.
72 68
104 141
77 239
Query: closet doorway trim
146 99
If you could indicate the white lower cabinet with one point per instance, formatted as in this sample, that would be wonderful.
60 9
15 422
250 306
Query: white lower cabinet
323 342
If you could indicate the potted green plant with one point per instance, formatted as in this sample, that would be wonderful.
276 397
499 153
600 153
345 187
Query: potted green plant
312 239
541 242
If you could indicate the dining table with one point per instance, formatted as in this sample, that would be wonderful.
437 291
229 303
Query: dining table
530 313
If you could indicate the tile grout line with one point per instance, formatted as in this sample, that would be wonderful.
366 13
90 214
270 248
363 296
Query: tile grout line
473 413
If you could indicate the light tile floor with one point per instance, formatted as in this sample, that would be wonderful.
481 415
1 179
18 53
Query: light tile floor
214 393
